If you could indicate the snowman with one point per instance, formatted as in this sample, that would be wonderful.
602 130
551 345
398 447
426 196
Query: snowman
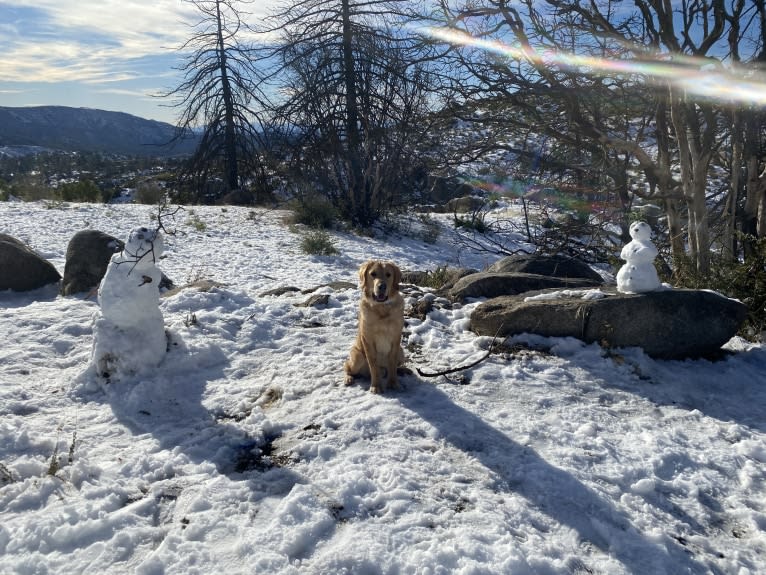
638 274
129 331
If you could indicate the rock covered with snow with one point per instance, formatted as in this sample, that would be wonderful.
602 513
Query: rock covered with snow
129 331
669 324
638 275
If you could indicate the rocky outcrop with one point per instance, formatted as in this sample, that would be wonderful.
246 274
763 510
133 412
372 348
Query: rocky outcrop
87 257
521 273
23 269
668 324
552 266
490 284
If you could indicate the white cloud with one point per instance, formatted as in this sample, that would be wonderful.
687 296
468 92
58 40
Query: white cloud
93 41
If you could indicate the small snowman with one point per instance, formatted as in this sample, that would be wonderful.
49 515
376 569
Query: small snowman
129 331
638 274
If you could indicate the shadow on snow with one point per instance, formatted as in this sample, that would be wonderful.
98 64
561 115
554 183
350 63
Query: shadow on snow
553 491
168 405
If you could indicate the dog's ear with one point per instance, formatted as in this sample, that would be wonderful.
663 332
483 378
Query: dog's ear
363 274
397 275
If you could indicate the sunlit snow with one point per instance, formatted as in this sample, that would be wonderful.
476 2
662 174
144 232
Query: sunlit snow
242 452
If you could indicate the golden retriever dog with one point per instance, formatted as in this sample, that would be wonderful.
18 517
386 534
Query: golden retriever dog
377 351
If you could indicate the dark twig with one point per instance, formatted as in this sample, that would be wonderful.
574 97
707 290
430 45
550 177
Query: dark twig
422 373
136 258
163 210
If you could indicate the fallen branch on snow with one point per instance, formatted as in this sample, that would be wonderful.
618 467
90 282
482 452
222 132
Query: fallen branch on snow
445 372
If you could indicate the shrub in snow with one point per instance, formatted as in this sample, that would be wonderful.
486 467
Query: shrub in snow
129 331
638 274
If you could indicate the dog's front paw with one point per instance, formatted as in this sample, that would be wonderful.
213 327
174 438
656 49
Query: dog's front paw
349 379
374 388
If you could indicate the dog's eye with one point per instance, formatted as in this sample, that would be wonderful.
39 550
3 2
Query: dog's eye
388 274
374 274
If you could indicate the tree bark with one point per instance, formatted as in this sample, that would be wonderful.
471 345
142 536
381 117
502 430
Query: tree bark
230 143
731 216
357 196
695 140
665 183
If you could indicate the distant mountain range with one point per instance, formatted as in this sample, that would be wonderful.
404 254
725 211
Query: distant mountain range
88 130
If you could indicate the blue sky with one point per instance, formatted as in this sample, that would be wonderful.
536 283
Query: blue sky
106 54
120 54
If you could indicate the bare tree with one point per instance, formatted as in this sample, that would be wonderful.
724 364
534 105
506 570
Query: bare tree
581 131
220 97
576 52
355 86
748 140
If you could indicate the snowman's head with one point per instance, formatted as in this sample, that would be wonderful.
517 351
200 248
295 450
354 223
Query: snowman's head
640 231
144 245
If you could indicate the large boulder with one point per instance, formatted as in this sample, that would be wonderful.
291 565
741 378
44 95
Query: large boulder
495 284
464 204
23 269
669 324
554 266
87 257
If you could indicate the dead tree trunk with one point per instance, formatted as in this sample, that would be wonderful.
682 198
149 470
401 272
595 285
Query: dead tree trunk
695 136
230 143
357 195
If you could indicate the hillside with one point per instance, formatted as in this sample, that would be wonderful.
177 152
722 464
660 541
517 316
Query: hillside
84 129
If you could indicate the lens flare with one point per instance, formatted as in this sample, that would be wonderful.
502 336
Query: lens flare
695 75
580 201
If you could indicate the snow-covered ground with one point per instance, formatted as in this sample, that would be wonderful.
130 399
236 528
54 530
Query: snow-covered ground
243 452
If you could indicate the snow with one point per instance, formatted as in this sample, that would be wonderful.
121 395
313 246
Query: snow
584 294
242 452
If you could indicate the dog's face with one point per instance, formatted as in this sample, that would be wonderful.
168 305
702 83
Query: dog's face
379 280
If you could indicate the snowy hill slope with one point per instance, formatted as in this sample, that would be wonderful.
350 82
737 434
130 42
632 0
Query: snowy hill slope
243 453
